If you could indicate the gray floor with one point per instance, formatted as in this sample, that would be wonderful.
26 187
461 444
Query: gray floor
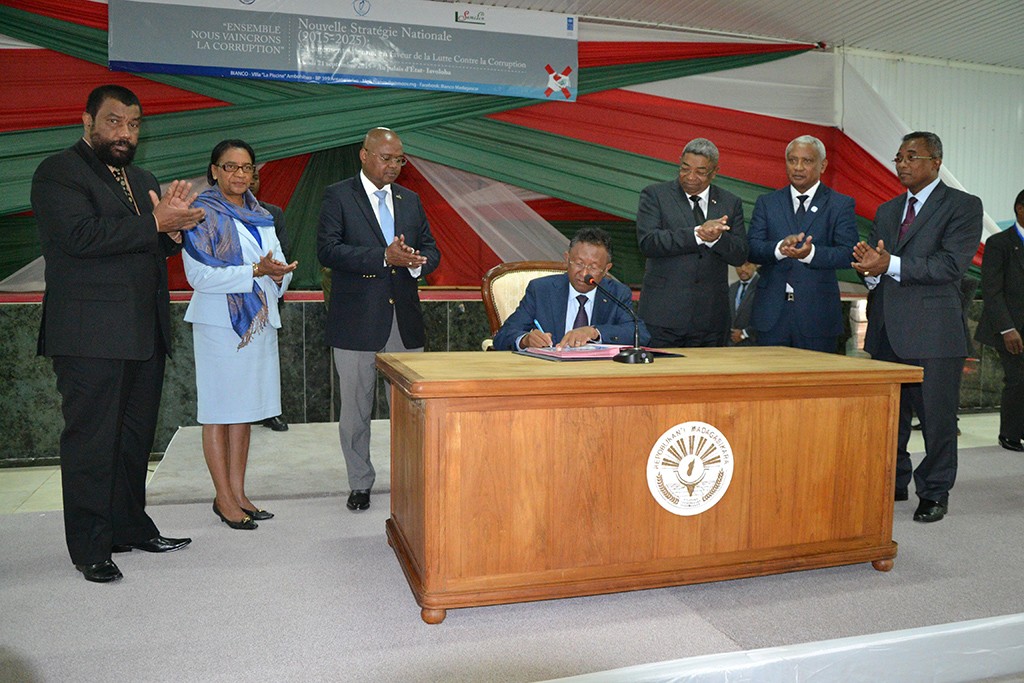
316 593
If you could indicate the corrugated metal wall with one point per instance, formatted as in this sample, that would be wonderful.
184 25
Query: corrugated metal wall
977 111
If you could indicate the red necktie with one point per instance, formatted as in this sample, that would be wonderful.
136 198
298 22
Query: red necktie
905 225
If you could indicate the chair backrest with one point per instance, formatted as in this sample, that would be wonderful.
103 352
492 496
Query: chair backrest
504 285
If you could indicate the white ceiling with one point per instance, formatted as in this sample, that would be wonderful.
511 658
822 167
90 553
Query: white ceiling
980 32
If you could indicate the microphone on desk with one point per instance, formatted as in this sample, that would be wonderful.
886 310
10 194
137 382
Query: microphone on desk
635 354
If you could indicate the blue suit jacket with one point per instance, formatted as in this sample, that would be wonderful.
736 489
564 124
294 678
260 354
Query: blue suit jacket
546 301
830 220
365 292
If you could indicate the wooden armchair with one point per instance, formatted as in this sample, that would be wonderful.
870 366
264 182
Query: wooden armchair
503 288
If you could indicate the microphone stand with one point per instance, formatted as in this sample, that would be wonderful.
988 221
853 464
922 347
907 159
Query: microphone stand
634 355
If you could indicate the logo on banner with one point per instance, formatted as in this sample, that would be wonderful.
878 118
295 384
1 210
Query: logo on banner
464 17
558 81
690 468
361 7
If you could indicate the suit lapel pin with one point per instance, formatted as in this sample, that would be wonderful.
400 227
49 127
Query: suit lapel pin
814 209
398 196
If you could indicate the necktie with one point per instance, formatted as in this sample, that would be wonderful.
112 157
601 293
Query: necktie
581 315
909 218
119 176
740 293
387 221
801 210
698 214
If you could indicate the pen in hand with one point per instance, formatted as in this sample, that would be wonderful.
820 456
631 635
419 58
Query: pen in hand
532 338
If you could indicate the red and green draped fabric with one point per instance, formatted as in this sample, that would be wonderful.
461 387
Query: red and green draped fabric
310 133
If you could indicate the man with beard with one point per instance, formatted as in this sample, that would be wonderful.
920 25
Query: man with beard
106 234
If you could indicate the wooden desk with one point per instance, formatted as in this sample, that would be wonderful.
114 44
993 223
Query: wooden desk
516 479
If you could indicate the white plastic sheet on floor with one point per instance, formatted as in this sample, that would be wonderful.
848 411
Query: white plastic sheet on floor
983 649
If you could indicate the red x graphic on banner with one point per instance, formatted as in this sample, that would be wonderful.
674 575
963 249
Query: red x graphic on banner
558 81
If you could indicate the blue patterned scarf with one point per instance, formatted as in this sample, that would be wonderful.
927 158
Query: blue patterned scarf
214 242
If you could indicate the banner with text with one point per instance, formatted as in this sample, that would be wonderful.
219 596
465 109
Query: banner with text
391 43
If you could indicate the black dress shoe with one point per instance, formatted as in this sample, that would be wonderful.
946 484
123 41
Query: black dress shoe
930 511
276 423
100 572
1011 444
157 544
161 544
259 514
359 500
901 494
246 522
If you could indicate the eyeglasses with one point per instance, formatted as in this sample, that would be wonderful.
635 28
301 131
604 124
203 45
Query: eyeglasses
388 159
702 173
909 159
589 267
231 167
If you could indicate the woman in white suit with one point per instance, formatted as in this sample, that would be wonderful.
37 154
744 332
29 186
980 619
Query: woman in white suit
230 262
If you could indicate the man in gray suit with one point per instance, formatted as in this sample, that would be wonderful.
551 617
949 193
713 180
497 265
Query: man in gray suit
1002 320
920 246
741 303
690 232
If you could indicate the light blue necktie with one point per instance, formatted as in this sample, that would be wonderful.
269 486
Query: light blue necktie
387 221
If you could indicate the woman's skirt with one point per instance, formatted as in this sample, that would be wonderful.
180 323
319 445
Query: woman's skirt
236 386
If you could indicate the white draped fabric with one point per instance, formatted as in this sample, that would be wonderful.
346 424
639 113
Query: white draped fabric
512 230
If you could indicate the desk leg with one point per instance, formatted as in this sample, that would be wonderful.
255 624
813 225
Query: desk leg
882 565
433 616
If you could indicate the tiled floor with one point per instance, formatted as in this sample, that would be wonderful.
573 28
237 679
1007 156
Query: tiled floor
35 489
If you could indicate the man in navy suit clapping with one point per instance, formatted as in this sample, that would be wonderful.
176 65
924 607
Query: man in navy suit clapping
800 235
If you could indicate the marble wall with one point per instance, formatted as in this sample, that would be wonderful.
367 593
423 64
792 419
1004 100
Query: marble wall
31 422
30 419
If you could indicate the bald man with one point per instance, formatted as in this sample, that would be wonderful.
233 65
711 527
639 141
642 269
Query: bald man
375 238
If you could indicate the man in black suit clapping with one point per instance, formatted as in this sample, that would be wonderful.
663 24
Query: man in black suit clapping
690 231
106 234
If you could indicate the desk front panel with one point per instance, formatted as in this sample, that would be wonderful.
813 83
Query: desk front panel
505 498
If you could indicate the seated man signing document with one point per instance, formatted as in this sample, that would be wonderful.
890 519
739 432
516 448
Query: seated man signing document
565 310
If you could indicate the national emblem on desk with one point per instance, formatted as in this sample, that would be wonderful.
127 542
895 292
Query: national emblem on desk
690 468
